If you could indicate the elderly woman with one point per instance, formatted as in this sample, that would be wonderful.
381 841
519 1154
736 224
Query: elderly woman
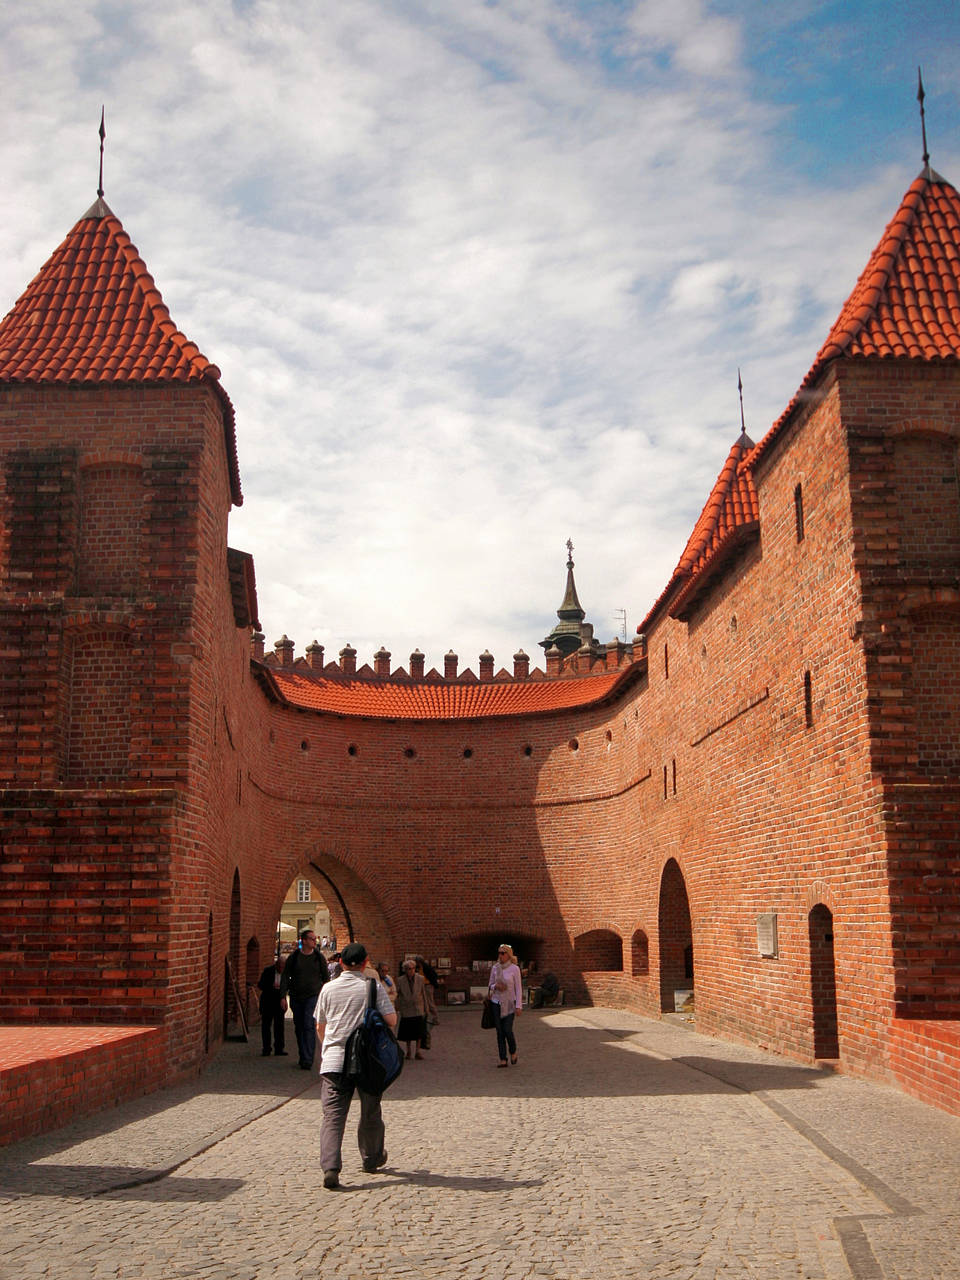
412 1008
506 993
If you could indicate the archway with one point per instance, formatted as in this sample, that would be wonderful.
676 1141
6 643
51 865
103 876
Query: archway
676 937
599 950
324 893
823 983
639 954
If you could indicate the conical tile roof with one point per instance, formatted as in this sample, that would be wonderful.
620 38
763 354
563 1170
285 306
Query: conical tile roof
905 305
93 315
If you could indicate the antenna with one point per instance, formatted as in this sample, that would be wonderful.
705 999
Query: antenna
743 425
621 614
103 134
923 119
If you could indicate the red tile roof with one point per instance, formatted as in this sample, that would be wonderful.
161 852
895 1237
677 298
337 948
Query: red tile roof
731 515
906 305
93 315
405 699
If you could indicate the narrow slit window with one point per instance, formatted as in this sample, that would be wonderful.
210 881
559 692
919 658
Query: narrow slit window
674 768
666 663
798 510
807 700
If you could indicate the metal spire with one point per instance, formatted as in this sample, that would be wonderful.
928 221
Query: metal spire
923 120
745 442
103 134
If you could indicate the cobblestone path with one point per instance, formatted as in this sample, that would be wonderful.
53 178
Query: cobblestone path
618 1147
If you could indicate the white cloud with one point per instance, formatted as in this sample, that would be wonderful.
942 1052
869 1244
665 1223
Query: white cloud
478 277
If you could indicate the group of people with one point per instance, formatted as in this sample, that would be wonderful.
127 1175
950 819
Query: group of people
331 1010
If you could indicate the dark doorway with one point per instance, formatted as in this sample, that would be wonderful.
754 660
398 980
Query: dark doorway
676 937
823 983
483 947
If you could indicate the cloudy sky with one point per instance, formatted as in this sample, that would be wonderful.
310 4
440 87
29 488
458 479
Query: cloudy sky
478 274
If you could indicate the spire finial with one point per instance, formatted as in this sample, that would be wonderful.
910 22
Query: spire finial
743 425
923 119
103 134
569 554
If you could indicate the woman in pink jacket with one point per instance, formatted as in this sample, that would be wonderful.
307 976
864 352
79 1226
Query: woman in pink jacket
506 993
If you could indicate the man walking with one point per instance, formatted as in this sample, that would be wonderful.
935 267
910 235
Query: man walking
339 1012
304 975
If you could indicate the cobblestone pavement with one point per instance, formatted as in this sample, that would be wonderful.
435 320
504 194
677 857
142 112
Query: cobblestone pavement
618 1147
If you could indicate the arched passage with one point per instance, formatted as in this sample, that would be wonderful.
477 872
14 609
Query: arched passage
823 983
676 936
356 914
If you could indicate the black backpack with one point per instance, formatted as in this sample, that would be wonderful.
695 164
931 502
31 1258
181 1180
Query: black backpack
372 1057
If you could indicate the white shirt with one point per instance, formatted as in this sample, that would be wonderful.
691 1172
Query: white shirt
341 1007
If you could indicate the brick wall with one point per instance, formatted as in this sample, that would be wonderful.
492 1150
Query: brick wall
787 754
63 1075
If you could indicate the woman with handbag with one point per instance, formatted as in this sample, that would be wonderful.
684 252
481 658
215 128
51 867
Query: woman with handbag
506 995
412 1008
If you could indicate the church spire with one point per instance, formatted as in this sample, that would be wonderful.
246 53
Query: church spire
570 609
571 632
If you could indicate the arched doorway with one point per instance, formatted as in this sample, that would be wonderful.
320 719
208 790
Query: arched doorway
676 937
823 983
322 892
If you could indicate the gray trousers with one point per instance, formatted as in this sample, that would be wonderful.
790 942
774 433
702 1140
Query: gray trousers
335 1094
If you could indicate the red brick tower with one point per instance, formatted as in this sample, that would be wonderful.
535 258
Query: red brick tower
118 470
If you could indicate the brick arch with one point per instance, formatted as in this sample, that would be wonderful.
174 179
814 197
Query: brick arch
820 893
357 912
599 949
674 933
111 458
943 428
639 951
945 598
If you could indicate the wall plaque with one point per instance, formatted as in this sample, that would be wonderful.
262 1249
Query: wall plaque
767 934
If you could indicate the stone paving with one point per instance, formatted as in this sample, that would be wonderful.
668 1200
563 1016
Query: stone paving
618 1147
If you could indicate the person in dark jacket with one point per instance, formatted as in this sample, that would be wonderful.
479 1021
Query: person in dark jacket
272 1008
304 975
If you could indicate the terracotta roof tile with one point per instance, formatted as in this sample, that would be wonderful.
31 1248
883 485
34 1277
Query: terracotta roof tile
93 314
385 698
906 303
731 514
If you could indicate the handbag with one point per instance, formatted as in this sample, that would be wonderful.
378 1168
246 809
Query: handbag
487 1019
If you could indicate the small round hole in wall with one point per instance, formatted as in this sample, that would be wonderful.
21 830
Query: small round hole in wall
733 623
528 750
352 749
467 752
304 745
574 745
609 735
409 752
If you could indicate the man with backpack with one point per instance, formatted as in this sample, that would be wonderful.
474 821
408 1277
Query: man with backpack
304 974
341 1010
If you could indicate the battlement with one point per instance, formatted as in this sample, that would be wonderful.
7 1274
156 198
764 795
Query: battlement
591 658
